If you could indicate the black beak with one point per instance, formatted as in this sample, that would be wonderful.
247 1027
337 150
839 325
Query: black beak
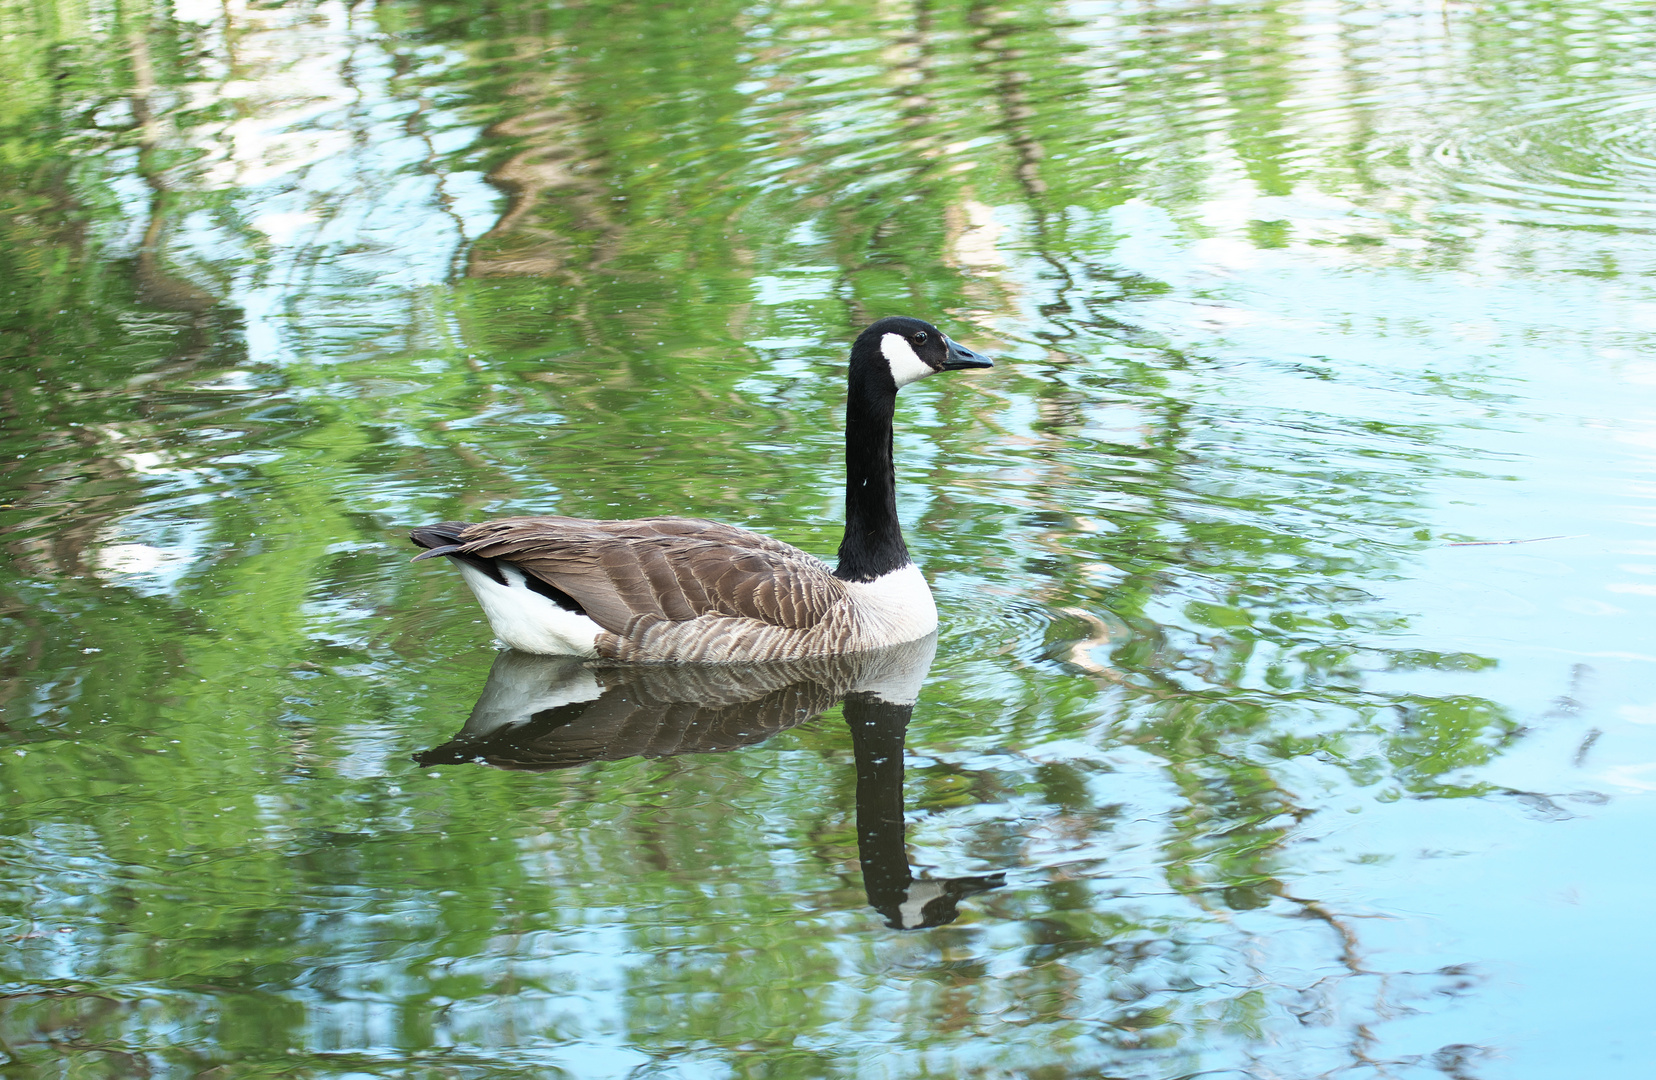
960 357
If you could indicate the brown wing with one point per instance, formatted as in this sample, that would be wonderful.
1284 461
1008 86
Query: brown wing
663 568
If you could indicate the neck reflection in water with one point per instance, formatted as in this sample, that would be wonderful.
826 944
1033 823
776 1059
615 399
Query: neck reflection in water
538 713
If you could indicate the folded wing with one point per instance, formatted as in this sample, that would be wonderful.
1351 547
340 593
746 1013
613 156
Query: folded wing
626 574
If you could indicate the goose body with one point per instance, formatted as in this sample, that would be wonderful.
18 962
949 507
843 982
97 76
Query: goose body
671 589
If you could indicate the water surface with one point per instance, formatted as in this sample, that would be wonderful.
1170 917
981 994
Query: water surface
1252 745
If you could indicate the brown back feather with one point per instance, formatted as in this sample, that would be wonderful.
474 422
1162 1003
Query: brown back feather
630 573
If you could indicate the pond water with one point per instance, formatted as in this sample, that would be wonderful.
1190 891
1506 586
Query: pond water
1292 712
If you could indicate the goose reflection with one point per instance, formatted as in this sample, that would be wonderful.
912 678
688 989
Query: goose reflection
539 713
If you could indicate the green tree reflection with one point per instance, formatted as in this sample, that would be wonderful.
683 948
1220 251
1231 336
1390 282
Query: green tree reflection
601 259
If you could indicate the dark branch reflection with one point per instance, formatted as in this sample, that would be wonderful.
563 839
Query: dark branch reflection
538 713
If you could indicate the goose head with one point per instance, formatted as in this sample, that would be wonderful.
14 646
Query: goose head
907 350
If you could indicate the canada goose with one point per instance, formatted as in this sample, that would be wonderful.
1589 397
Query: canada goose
690 590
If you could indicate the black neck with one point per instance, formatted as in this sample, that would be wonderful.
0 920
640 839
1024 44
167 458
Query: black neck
873 543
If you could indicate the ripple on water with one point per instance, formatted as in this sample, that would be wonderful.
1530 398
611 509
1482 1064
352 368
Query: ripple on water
1586 159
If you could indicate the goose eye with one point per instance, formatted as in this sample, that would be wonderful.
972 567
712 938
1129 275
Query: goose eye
920 337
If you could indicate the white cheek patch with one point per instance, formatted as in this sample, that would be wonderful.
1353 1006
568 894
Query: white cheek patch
906 365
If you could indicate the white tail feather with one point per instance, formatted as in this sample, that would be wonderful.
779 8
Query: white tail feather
526 620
